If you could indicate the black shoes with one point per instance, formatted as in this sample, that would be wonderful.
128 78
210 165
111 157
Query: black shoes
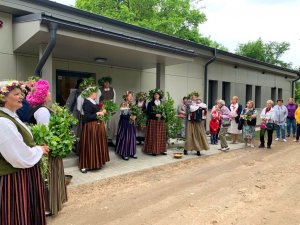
269 146
153 154
125 158
133 156
164 153
83 170
261 146
198 153
185 152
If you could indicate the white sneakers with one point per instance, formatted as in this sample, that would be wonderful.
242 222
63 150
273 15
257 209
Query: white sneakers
276 139
284 140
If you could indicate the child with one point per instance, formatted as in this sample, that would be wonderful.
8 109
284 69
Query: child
214 124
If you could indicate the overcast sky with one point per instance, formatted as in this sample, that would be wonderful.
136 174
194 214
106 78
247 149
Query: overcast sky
231 22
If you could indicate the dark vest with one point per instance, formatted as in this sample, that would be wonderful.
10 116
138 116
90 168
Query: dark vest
107 95
250 122
5 167
31 119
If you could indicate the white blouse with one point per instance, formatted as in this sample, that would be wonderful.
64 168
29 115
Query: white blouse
13 148
42 116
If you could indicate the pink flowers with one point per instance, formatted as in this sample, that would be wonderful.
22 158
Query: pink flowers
38 93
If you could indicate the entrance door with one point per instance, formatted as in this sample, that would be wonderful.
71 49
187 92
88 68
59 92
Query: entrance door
65 81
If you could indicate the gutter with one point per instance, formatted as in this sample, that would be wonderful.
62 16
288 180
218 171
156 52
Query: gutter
293 85
206 75
51 44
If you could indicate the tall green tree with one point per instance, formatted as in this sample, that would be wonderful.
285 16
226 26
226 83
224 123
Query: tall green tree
173 17
269 52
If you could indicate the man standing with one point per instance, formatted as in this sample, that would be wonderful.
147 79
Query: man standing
281 114
290 120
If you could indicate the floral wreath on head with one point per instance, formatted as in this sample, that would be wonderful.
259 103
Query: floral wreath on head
103 80
194 93
8 86
141 95
38 93
88 91
87 82
126 94
29 84
156 90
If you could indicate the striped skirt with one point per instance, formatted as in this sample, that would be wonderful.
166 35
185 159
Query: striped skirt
195 137
126 139
56 185
156 138
22 198
93 146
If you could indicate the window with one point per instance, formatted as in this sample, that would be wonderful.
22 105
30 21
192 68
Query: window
248 92
212 93
258 96
226 92
273 94
279 93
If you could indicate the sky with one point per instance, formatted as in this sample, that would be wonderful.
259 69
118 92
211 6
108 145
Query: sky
231 22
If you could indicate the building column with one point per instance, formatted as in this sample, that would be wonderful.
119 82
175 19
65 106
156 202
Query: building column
47 71
161 76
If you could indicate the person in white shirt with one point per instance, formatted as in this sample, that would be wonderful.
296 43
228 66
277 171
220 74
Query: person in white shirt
19 157
280 115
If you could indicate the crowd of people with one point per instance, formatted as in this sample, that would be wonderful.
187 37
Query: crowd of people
20 177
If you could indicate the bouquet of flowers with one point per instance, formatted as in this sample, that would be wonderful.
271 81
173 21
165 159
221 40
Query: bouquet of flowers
110 108
160 109
135 111
247 117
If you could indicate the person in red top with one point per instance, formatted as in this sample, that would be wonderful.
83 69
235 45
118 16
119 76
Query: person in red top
214 124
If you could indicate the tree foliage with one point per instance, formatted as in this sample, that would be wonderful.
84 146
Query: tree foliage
173 17
269 52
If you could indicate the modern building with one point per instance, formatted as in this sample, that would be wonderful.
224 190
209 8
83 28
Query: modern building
62 43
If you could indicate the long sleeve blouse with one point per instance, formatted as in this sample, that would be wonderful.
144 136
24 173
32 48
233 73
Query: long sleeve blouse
13 147
269 116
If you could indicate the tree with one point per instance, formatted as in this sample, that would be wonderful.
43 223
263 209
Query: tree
270 52
173 17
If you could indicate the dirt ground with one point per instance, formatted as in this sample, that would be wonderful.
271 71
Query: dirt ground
246 187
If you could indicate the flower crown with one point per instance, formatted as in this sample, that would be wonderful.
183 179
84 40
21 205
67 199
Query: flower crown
88 91
156 90
194 93
104 79
8 86
87 82
38 93
141 95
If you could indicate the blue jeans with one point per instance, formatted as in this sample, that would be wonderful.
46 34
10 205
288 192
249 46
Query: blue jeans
291 122
213 139
281 128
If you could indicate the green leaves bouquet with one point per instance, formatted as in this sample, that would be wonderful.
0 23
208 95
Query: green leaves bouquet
135 111
110 108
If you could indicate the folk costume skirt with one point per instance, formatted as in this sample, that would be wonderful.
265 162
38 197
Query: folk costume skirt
196 137
93 146
22 198
126 139
156 137
56 185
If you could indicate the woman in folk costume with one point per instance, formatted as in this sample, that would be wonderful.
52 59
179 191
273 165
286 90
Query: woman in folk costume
93 141
141 99
21 184
235 109
126 135
39 99
195 134
156 137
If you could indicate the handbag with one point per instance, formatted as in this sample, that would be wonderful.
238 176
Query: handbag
241 124
226 123
271 126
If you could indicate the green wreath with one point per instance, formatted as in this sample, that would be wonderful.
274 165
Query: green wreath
156 90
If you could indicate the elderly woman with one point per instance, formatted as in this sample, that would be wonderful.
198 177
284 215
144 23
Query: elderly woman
21 185
93 142
248 119
267 125
39 99
235 110
196 139
225 116
290 120
156 137
126 135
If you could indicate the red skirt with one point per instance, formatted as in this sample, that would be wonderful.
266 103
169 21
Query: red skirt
93 146
156 138
22 198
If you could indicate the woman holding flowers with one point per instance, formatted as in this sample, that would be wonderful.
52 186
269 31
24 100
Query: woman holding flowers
93 141
156 137
195 136
21 185
126 135
248 120
39 98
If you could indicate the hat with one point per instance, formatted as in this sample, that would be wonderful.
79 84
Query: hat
103 80
8 86
38 93
194 93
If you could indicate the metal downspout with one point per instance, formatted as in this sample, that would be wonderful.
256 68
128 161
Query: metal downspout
206 75
51 44
293 86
